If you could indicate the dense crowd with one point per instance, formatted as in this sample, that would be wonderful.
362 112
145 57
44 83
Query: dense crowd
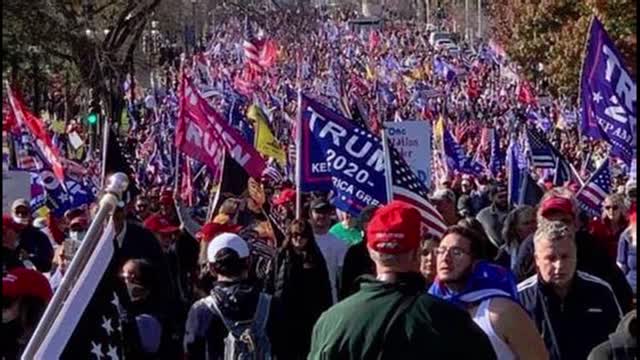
507 282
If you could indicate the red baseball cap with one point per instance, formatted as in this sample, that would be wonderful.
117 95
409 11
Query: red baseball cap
21 282
394 229
285 196
212 229
556 204
159 224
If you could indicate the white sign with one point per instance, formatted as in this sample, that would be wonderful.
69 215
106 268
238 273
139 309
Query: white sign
75 140
15 185
413 140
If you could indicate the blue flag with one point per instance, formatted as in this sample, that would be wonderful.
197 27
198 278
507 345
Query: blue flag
496 162
517 166
338 155
608 95
457 159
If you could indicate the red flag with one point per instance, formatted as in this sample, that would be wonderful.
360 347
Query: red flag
39 133
374 40
186 191
525 93
268 54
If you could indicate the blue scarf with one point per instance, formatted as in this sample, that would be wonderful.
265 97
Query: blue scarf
487 281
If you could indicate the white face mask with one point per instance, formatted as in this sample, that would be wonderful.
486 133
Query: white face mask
77 235
20 220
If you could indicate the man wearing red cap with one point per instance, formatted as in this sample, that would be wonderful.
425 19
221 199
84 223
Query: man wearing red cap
25 294
392 316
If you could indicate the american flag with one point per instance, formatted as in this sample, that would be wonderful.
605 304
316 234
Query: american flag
251 49
406 187
272 172
88 323
592 194
542 153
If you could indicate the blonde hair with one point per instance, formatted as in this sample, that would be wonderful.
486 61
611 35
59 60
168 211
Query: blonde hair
552 231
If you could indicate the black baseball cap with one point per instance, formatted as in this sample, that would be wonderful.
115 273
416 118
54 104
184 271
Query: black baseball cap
320 204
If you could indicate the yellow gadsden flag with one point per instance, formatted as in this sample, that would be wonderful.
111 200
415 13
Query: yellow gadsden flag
264 141
438 131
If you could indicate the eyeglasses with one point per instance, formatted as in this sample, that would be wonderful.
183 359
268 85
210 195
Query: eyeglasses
611 207
455 251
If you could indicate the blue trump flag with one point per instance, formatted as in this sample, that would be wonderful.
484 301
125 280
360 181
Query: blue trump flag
608 95
457 159
338 155
496 162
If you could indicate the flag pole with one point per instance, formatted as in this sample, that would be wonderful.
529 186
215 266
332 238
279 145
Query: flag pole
115 188
298 152
105 147
387 163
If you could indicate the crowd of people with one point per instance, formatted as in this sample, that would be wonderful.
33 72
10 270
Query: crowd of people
253 280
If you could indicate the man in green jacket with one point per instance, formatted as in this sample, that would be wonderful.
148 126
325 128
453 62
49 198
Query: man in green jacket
392 316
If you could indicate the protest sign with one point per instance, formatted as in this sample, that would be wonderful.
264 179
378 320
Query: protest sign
413 140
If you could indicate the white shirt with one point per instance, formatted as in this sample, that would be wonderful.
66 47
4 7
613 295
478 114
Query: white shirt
333 250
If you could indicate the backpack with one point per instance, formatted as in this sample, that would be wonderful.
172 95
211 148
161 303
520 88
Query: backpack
247 340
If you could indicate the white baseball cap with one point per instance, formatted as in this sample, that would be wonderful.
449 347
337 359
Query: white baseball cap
227 241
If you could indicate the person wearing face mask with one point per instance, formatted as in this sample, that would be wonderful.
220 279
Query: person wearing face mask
25 294
299 279
78 227
33 244
144 316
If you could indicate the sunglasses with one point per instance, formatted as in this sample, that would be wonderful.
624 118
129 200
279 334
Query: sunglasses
611 207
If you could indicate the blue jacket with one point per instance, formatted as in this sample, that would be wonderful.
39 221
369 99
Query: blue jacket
573 326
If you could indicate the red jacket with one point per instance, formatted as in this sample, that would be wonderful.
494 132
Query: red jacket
602 230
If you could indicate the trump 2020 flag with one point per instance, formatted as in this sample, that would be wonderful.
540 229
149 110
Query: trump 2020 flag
88 326
608 95
457 159
336 154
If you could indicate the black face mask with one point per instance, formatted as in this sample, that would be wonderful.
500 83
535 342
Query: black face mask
137 293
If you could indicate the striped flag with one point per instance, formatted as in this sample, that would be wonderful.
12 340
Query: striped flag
251 49
591 196
406 187
541 152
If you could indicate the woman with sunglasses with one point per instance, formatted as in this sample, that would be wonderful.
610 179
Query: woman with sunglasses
299 278
613 221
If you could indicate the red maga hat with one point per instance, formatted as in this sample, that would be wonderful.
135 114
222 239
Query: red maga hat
394 229
21 282
159 224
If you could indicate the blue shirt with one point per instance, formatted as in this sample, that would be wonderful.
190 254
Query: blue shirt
626 258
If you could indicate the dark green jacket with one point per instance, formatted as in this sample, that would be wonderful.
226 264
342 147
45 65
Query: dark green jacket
429 329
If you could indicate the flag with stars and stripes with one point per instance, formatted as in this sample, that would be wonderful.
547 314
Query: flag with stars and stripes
591 196
542 154
406 187
251 48
88 323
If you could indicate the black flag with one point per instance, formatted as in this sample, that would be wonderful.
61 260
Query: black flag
88 324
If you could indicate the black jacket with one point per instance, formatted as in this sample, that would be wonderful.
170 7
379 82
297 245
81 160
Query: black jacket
304 293
205 331
622 344
571 328
357 262
592 259
35 243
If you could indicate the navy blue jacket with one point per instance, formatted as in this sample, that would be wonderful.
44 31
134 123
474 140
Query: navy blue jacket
573 326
